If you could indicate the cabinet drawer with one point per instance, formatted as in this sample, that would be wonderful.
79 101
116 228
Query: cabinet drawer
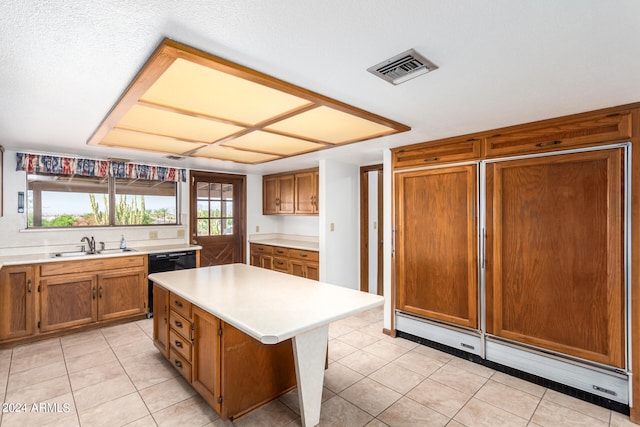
600 129
281 264
180 325
181 364
180 305
280 251
261 249
180 344
90 265
436 152
303 255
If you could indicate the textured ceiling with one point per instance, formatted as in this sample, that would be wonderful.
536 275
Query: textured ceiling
64 63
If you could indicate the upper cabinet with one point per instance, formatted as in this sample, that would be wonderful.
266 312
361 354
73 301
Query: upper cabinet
291 193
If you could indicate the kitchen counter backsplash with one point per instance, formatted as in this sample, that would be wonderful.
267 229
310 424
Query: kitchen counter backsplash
310 243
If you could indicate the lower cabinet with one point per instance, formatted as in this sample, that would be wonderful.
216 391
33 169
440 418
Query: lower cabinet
51 297
67 301
161 319
233 372
302 263
17 302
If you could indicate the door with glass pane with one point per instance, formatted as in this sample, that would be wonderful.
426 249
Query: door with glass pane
217 211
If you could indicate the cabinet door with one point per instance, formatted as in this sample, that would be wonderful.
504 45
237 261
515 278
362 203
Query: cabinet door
121 293
67 301
296 267
286 186
17 296
254 373
305 193
270 196
436 244
312 271
555 253
206 356
161 319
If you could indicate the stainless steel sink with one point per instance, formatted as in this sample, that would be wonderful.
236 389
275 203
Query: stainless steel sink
70 254
81 253
114 251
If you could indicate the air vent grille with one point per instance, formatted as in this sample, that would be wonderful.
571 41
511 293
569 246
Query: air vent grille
402 67
172 157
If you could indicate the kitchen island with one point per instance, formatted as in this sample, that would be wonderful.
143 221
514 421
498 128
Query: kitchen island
269 307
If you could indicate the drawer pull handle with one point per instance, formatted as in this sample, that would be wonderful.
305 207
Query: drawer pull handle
178 323
303 255
544 144
432 159
178 344
178 363
178 303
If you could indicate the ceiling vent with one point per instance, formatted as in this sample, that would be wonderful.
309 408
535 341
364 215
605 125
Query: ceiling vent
402 67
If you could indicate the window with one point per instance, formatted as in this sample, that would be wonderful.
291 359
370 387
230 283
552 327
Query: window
215 209
145 202
76 201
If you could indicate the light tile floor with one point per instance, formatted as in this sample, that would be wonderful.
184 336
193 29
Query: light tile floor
114 377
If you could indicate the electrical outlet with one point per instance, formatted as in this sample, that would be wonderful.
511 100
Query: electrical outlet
153 235
180 232
331 227
257 228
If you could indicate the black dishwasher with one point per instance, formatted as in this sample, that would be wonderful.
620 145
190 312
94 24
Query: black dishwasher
168 261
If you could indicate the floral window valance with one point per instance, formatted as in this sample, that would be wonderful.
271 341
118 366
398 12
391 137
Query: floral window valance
45 164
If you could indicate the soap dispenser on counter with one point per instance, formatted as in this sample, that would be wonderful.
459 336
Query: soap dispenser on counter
123 243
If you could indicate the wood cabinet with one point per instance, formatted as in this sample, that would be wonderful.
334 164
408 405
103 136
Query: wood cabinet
306 193
445 151
581 131
303 263
261 256
555 252
17 302
75 293
233 372
436 244
161 319
551 198
206 357
291 193
277 195
68 300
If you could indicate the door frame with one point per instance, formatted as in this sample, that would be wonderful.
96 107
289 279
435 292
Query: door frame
364 228
242 211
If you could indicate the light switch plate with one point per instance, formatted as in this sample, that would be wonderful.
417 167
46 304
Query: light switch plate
153 235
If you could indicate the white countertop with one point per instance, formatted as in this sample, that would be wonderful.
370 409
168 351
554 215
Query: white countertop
267 305
48 257
287 241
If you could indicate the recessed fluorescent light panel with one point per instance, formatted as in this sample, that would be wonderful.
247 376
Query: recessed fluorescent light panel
402 67
185 102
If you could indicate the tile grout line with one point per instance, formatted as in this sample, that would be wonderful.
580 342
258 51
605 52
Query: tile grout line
137 391
73 395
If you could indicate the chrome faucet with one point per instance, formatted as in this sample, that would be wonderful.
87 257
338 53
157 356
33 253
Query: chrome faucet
91 242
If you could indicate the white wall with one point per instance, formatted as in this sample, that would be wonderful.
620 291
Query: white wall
339 205
15 239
